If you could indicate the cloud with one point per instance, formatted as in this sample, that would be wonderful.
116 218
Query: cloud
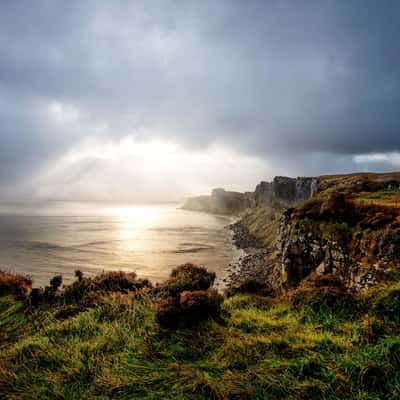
141 170
302 86
380 161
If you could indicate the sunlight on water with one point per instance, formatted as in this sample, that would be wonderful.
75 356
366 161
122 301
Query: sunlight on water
149 240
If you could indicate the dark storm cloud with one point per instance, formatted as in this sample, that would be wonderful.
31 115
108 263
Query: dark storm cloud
268 78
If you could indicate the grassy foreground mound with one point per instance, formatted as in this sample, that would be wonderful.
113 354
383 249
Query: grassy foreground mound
318 342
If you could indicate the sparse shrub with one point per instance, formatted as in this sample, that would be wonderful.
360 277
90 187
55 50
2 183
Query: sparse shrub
14 284
188 277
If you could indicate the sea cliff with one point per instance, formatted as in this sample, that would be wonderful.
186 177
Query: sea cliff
282 191
350 226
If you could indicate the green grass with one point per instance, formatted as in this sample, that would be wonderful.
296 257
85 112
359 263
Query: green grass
263 223
381 197
262 349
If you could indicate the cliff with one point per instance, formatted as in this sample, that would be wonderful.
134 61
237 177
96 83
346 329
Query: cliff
281 192
350 227
285 192
220 202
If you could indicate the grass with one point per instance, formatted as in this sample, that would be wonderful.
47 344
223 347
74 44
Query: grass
263 348
389 198
262 223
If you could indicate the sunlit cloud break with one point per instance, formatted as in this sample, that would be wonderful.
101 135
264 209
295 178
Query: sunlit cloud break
286 87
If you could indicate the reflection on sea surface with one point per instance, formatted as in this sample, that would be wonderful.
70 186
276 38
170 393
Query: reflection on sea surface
150 240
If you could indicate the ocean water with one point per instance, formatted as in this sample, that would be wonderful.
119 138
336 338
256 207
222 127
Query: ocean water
58 239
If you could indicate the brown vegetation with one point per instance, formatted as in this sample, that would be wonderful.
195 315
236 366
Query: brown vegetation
14 284
189 297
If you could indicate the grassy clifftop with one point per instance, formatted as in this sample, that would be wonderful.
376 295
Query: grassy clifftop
316 342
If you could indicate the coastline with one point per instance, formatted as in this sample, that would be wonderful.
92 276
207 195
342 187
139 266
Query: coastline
255 261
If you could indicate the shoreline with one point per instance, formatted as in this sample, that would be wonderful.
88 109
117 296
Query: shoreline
255 261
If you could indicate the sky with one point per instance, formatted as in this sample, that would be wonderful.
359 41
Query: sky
147 101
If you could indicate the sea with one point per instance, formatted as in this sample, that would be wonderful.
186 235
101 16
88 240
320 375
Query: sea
42 240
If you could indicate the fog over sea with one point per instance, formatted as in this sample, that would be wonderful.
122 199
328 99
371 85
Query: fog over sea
58 238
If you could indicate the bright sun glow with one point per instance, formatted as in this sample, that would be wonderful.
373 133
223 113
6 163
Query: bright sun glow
147 171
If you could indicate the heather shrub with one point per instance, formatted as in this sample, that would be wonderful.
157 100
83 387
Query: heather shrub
200 303
169 313
87 291
14 284
188 277
190 308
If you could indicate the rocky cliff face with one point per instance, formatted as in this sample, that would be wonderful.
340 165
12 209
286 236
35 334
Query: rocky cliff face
351 229
284 191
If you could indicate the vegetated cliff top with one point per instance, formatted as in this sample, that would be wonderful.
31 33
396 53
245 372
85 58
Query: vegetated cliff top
381 189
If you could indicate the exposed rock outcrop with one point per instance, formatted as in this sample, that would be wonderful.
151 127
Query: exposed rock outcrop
284 191
350 229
